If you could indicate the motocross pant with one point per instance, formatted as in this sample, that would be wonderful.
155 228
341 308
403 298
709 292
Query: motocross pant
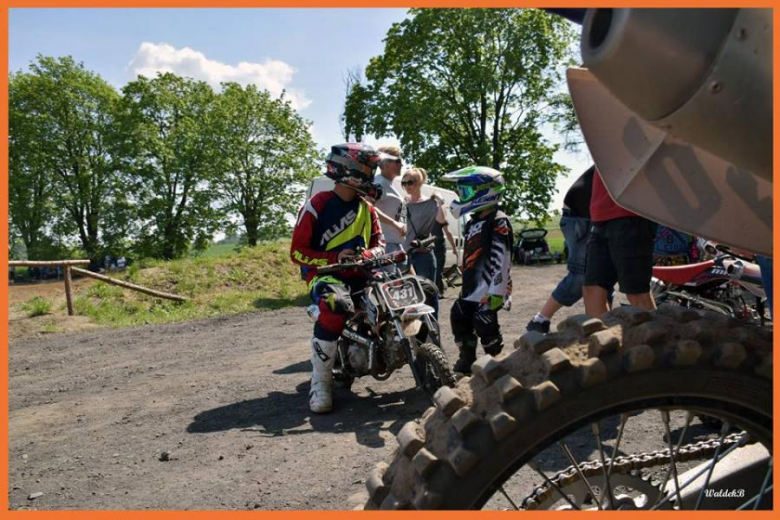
334 301
470 320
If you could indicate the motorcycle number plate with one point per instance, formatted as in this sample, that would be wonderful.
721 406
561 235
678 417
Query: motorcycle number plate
402 293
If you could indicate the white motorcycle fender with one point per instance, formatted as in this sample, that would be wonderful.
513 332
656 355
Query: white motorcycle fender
410 318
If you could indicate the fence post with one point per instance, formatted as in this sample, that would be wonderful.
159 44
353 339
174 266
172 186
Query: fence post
68 292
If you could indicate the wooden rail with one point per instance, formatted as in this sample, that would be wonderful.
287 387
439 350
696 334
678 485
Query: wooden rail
70 267
45 263
129 285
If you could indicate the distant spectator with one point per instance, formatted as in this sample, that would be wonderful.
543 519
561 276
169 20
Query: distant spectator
391 208
672 247
421 214
620 250
441 228
575 226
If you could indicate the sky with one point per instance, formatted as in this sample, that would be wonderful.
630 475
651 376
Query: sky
306 52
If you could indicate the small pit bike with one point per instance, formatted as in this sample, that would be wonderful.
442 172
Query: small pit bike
392 326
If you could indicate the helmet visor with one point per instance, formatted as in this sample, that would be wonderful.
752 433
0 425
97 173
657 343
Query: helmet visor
466 192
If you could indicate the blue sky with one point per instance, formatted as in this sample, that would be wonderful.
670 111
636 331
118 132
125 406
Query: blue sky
305 51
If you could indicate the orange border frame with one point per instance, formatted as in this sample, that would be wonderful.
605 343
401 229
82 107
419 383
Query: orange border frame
291 515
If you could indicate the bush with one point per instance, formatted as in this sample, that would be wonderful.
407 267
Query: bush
37 306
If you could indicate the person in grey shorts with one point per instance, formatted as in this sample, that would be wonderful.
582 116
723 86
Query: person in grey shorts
575 225
391 207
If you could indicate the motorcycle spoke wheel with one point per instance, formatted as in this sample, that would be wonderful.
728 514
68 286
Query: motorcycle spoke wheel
636 378
433 367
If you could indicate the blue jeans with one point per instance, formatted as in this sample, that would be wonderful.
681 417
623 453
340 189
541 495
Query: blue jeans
576 231
425 266
765 263
391 248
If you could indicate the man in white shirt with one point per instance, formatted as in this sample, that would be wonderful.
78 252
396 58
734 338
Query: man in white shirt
391 208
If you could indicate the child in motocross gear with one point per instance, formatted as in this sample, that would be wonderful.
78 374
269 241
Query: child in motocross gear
335 226
486 263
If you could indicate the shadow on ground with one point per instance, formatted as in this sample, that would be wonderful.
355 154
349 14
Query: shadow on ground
281 413
296 368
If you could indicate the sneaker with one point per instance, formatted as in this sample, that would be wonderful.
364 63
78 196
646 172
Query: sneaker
543 327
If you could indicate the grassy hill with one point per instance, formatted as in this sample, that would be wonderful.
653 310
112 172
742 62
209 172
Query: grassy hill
222 281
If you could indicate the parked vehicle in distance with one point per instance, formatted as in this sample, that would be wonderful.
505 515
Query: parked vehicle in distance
531 246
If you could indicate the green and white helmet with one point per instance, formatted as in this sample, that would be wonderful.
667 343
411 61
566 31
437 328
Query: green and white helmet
478 187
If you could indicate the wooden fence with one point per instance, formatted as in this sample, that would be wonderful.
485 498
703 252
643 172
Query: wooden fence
69 266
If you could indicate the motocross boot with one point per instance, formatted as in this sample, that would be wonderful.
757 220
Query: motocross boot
467 355
494 346
323 355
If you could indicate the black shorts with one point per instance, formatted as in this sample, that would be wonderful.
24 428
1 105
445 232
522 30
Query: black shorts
621 250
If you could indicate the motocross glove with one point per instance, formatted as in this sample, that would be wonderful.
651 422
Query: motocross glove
495 302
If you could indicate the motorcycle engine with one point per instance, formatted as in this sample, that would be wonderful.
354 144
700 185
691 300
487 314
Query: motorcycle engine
358 358
392 353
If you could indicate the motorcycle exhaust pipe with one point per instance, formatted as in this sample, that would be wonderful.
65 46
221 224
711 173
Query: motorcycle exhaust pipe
357 338
736 272
708 304
362 340
702 75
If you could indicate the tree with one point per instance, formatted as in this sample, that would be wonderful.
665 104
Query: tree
352 121
168 149
29 180
61 124
470 86
266 154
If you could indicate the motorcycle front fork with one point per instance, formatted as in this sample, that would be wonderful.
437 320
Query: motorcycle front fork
407 346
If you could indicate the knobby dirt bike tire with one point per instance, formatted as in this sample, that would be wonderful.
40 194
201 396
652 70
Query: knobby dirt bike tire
480 432
431 353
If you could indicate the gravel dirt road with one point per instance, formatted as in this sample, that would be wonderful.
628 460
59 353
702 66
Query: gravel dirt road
210 414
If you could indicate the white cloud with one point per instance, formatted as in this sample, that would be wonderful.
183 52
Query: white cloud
272 75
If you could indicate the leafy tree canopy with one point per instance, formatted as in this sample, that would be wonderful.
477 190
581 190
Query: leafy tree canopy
471 86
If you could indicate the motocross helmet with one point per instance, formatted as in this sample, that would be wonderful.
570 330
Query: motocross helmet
477 186
354 165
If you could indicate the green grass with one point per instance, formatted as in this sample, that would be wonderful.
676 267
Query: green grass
51 328
37 306
218 250
223 282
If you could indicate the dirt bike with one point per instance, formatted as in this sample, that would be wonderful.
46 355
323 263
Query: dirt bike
392 326
729 284
553 424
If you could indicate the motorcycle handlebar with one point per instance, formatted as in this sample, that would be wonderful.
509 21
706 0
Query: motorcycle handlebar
370 263
423 243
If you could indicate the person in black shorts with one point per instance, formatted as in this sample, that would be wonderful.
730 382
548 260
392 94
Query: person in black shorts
575 226
620 250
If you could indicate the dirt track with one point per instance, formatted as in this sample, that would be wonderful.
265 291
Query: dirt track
92 414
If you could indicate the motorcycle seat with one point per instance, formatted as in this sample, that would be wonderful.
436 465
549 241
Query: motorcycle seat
681 274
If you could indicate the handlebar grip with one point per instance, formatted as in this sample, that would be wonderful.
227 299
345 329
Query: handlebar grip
332 268
428 241
327 269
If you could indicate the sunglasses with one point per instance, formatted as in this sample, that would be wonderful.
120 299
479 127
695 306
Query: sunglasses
408 183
